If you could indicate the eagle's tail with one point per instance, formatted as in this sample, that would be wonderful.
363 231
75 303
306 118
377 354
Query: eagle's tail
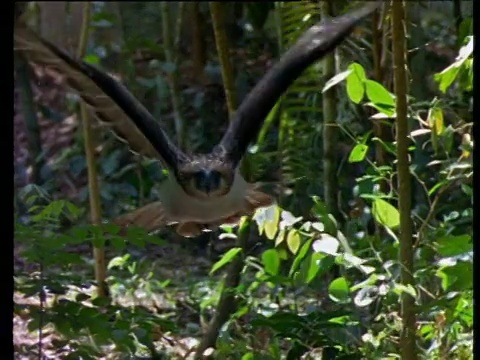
260 195
151 217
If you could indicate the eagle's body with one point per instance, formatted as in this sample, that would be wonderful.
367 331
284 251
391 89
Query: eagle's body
179 206
201 191
193 214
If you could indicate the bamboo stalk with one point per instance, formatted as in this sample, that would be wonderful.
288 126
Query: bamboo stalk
228 300
93 187
408 348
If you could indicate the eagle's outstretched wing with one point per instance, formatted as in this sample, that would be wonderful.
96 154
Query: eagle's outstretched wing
112 103
317 42
210 190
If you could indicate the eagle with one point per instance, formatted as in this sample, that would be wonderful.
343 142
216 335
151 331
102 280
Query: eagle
201 191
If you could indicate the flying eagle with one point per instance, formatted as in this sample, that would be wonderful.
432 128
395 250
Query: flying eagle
201 191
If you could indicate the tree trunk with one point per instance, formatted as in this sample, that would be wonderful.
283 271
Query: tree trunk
170 45
228 300
93 188
34 142
199 51
330 129
408 347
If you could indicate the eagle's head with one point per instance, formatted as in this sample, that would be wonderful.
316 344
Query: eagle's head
206 177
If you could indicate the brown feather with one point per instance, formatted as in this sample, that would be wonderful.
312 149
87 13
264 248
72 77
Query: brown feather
255 199
207 161
189 229
151 217
313 45
129 119
108 112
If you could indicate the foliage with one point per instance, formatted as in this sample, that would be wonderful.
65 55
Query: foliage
299 132
311 286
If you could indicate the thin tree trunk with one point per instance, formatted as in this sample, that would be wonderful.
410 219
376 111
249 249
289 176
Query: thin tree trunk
54 31
378 53
457 14
227 303
34 142
218 22
19 9
408 347
282 126
330 129
93 188
199 53
171 57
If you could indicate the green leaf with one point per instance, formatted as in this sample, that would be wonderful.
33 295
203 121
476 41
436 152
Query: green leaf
358 70
355 83
467 190
111 229
454 245
98 240
336 79
228 257
280 237
138 240
271 117
101 301
320 210
314 266
349 260
92 59
293 241
469 75
51 211
384 109
342 239
248 356
72 209
377 94
338 290
446 77
466 50
385 213
435 120
400 288
448 137
358 153
465 29
282 253
119 335
267 220
300 256
118 261
271 261
271 225
309 269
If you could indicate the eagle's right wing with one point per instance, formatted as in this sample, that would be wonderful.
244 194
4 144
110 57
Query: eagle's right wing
112 103
312 46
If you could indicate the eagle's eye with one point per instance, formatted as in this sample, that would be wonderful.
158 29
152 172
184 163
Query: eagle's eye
209 181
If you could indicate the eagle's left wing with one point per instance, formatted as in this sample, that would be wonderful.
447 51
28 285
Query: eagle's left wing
112 103
312 46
